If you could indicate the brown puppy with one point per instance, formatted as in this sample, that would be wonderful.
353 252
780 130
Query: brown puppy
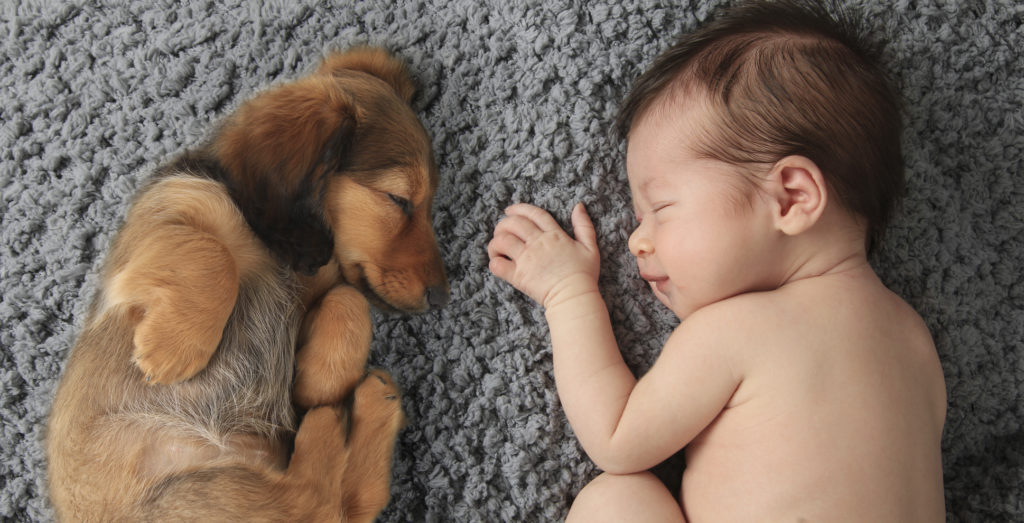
177 400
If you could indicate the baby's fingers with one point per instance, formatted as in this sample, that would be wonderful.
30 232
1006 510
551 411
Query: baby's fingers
583 227
504 245
519 226
500 262
503 268
541 218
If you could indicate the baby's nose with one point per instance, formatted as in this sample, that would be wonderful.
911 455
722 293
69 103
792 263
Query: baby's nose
639 244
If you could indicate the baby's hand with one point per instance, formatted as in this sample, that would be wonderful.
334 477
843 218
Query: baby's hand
532 252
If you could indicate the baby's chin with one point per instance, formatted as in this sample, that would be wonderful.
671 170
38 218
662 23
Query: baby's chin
663 298
681 310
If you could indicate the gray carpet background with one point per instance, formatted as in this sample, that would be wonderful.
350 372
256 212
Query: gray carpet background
518 96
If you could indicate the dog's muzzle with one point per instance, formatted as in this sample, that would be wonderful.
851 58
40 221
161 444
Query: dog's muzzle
437 297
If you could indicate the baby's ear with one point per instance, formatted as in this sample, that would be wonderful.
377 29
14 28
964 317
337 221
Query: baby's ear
799 191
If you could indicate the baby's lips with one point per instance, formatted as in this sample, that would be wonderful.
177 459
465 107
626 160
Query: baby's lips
649 277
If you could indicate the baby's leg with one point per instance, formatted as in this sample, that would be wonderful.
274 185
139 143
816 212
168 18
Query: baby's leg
632 497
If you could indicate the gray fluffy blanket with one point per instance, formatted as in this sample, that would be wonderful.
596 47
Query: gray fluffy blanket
518 96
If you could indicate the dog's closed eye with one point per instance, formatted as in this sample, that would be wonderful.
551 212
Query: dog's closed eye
402 203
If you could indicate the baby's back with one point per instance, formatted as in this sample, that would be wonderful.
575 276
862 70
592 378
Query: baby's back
839 414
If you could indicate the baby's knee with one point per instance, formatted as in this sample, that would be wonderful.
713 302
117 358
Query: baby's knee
595 497
631 497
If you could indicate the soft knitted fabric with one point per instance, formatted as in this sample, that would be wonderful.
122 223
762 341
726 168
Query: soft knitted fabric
519 97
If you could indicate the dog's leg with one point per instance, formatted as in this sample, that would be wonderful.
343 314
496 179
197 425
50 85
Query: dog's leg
376 418
333 348
308 490
313 479
185 282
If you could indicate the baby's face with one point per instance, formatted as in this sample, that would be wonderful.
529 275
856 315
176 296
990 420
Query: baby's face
701 236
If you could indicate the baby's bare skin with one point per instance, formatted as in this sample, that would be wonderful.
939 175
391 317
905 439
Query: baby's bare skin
820 400
800 386
845 429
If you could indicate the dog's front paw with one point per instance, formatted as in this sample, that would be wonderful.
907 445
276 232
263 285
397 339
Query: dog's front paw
171 351
319 382
334 347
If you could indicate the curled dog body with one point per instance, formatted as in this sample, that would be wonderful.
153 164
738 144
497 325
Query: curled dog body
236 293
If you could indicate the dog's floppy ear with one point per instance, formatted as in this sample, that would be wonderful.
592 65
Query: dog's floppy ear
278 151
373 61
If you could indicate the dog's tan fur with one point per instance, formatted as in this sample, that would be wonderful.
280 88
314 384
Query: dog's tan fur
179 399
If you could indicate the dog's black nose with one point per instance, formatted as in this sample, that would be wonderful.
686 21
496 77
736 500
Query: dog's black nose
437 297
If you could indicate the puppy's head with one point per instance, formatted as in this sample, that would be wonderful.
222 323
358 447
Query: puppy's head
336 165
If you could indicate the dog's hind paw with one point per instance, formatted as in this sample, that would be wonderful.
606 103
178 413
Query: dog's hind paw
377 403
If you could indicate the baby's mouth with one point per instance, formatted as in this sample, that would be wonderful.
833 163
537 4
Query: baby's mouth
650 278
659 283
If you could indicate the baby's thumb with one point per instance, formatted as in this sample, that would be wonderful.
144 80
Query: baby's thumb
582 227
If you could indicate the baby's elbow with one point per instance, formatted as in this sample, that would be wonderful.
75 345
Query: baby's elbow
616 468
616 462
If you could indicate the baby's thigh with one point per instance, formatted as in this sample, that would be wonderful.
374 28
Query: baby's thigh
633 497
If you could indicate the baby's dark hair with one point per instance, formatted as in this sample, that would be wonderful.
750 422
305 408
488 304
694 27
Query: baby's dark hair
788 78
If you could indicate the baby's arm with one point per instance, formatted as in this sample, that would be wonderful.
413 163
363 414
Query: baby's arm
532 252
624 426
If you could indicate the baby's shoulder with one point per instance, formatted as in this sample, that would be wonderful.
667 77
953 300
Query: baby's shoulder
733 321
748 310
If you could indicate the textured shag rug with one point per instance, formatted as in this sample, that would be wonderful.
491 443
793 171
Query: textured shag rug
519 97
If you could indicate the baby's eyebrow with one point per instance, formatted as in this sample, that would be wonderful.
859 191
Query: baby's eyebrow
646 183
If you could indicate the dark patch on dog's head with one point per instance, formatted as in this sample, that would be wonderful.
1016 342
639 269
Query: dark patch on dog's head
278 152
